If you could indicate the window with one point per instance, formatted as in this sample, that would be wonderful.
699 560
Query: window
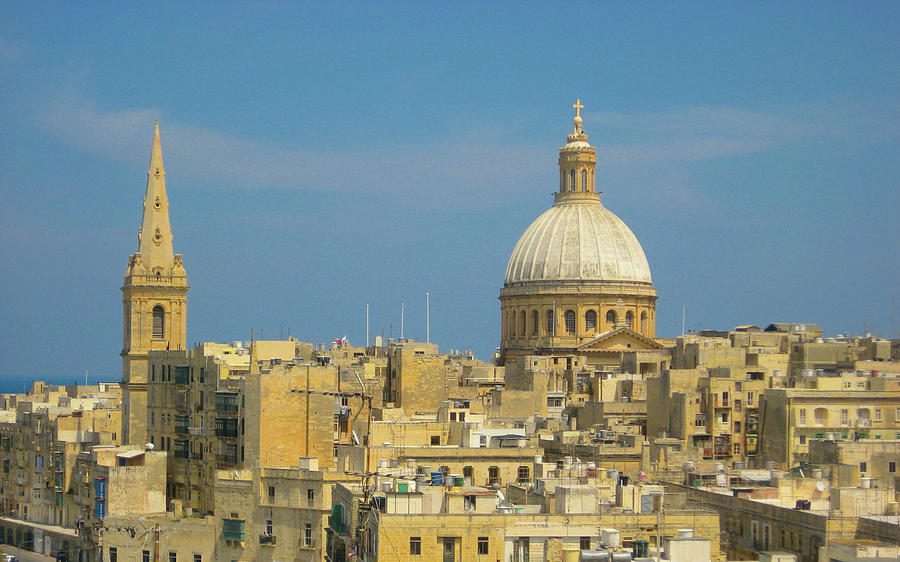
584 543
737 386
629 319
493 475
892 466
550 329
173 557
877 413
159 321
415 545
570 321
271 492
523 474
310 497
523 317
113 554
307 535
737 427
863 466
571 180
749 399
198 558
583 180
512 325
802 414
737 448
435 439
269 527
821 416
145 556
611 317
590 320
482 545
845 417
534 322
803 440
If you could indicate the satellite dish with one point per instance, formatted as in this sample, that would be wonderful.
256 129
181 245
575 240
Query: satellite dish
149 446
820 486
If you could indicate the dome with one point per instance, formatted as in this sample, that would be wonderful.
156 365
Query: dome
577 240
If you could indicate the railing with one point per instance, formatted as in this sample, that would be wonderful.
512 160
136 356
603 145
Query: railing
863 423
266 540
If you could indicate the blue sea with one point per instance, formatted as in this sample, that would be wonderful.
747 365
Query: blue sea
19 384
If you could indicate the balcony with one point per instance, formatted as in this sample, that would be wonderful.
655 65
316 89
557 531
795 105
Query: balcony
266 539
227 402
233 529
226 459
863 423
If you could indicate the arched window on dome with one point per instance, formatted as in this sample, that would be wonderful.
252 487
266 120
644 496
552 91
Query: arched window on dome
590 320
522 318
512 324
550 330
629 320
535 322
611 317
571 180
159 322
644 323
570 321
584 186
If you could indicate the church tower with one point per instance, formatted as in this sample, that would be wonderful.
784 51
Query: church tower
154 299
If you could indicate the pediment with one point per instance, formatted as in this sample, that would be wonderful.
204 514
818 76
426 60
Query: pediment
619 339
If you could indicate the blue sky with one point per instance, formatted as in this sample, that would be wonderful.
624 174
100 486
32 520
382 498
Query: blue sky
323 157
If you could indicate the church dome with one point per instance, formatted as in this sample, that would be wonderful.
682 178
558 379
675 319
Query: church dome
577 240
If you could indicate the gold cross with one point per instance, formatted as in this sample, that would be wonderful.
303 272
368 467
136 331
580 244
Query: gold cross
578 107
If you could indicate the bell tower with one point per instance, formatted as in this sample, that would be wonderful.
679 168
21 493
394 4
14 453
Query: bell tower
154 299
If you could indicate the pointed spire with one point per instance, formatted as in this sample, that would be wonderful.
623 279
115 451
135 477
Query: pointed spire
155 240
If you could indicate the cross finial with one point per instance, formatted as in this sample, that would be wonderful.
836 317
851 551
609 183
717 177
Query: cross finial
578 107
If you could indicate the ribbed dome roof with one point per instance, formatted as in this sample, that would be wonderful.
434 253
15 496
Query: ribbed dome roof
577 240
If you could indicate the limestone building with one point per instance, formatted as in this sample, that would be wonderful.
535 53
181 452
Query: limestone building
578 274
154 299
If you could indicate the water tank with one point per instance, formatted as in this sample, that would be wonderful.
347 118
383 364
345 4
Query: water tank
720 467
816 473
640 548
611 538
739 465
685 533
594 555
865 482
621 556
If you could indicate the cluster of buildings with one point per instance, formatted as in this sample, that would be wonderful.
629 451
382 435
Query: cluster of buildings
585 438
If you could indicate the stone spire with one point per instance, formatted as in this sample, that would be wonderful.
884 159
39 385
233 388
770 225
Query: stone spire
577 163
155 237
